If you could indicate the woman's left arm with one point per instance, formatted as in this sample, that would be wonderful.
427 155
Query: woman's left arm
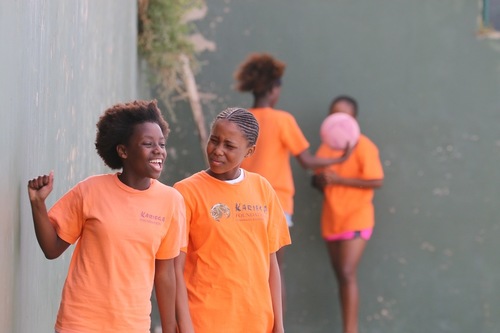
165 287
275 286
331 178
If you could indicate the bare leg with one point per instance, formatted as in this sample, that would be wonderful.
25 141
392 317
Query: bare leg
345 257
280 255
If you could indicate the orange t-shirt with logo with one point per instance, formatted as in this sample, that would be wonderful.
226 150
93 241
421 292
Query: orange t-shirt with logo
347 208
232 229
279 136
120 232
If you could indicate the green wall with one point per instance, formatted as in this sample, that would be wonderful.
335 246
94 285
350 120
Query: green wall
429 94
62 63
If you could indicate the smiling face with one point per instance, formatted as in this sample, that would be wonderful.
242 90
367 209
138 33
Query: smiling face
143 156
226 149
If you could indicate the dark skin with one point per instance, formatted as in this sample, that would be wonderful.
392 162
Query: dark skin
147 144
38 190
305 158
226 148
143 157
344 258
183 316
331 178
345 255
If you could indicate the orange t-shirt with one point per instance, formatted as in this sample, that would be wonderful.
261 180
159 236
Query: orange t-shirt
348 208
279 136
233 229
120 232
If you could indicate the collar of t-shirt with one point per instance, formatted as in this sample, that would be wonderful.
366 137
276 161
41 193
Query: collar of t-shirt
238 179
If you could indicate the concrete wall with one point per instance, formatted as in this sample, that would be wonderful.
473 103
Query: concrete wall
430 98
62 63
429 93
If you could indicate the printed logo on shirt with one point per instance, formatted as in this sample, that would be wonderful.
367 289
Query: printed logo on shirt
248 212
219 211
250 208
151 218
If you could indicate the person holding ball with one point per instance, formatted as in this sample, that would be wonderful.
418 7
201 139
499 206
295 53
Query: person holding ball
347 218
128 228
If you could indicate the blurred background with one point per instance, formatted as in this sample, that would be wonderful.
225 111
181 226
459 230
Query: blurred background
426 74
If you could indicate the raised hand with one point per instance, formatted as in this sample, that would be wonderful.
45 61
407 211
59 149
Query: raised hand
40 187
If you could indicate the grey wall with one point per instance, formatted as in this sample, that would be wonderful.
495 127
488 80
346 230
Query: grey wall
62 63
429 92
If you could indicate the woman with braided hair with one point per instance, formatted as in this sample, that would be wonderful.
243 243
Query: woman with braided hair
235 225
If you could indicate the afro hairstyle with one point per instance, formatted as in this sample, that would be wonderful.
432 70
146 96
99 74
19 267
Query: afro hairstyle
116 126
259 73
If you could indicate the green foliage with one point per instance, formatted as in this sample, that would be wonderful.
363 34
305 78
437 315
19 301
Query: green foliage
163 37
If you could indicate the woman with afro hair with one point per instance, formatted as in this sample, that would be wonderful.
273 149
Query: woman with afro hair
128 228
280 136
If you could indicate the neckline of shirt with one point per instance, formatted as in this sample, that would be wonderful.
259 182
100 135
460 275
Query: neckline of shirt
235 181
129 189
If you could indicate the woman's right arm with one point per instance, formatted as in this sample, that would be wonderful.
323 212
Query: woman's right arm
38 190
184 322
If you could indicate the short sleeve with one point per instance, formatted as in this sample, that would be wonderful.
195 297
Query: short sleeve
371 167
277 228
323 151
187 218
67 215
292 136
175 237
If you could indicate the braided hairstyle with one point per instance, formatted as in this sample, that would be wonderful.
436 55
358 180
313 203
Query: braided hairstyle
244 119
259 73
117 124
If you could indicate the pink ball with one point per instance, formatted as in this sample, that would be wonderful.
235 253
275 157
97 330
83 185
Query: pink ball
339 129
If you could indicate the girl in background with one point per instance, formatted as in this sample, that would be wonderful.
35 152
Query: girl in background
235 225
280 136
348 214
127 227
